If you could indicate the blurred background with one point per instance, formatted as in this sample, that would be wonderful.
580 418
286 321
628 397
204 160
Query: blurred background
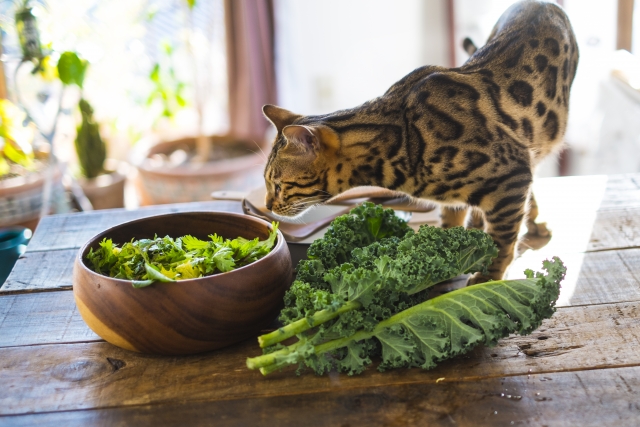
162 98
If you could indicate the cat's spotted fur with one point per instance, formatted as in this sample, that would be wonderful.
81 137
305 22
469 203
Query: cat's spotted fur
463 137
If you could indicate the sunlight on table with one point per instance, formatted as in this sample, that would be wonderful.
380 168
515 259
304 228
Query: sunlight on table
570 215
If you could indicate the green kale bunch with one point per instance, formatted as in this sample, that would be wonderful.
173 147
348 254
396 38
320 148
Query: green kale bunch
432 331
344 295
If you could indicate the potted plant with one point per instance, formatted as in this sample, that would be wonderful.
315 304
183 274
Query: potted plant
102 180
30 179
190 168
22 170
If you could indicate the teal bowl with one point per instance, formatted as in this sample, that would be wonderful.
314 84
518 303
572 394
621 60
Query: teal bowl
13 243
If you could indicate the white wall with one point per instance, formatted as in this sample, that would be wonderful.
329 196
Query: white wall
334 54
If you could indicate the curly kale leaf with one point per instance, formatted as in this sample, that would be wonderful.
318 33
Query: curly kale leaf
362 226
380 279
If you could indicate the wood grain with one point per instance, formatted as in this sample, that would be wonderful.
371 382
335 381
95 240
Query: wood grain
622 191
607 397
592 278
615 230
99 375
584 361
41 318
42 270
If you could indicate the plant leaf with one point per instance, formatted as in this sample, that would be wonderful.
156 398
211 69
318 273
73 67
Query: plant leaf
71 69
154 274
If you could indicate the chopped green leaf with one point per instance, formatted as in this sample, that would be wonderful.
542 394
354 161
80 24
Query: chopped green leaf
163 259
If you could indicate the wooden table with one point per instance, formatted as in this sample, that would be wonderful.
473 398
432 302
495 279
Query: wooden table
582 367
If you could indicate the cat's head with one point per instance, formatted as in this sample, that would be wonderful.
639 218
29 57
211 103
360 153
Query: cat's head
299 168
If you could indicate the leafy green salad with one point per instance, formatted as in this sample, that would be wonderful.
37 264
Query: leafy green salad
363 295
164 259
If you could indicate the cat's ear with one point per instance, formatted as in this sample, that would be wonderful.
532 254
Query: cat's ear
279 116
301 138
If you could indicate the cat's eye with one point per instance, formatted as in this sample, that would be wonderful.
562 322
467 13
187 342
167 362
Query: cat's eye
277 189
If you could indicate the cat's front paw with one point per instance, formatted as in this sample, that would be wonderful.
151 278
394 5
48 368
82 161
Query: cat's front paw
538 229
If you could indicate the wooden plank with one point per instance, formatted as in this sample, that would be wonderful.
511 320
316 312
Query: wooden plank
98 375
615 230
73 230
41 318
622 191
592 278
596 398
34 271
573 232
590 213
44 318
590 231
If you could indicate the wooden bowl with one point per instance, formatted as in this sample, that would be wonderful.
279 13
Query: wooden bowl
189 316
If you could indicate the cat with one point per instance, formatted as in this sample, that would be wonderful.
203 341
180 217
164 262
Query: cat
461 137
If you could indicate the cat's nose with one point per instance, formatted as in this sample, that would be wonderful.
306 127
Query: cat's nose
269 203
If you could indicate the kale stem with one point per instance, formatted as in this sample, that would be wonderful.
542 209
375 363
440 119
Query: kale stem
304 324
272 358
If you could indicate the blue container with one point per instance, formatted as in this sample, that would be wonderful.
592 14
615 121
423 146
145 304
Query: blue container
13 243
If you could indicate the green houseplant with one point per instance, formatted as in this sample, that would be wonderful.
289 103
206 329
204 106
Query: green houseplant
22 170
16 152
30 180
102 180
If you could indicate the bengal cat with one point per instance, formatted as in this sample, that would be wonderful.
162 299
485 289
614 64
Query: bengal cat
462 137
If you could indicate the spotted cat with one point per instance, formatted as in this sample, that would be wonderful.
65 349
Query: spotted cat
463 137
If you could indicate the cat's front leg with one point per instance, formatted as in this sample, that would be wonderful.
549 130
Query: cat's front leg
504 212
452 216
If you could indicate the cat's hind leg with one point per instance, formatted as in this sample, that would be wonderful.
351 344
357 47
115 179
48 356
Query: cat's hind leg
533 228
504 210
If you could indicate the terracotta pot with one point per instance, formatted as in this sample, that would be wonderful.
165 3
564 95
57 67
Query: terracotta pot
188 316
194 182
106 191
21 198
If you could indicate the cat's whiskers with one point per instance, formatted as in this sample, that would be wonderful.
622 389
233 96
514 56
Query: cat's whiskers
298 218
264 156
307 201
296 211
